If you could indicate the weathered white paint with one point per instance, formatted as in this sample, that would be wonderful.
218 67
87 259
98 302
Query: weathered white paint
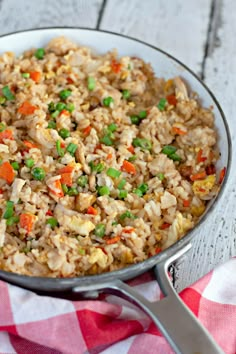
16 15
179 27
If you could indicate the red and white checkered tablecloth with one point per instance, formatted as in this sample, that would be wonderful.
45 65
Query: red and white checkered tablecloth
33 324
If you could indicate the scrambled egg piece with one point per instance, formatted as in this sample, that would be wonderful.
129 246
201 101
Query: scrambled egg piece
78 225
203 187
178 228
99 257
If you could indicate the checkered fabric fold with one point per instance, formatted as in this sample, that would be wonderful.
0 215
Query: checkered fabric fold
30 323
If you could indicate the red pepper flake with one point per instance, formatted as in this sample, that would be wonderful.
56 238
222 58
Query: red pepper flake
115 66
172 100
49 213
62 145
158 250
69 80
164 226
92 211
98 147
210 170
200 158
222 175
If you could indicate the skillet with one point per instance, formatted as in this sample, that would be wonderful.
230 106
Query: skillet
186 335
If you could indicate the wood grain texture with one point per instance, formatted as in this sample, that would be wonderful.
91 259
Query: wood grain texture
216 242
16 15
178 27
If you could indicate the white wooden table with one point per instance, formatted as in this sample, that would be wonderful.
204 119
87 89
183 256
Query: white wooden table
201 33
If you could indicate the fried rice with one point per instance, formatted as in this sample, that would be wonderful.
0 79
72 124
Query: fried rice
102 163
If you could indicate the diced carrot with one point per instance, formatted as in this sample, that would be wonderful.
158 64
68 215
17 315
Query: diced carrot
164 226
66 169
58 192
35 75
186 203
110 241
64 112
115 66
210 170
69 80
131 149
92 211
222 175
66 178
29 144
128 167
109 156
158 250
87 130
179 131
62 145
49 213
7 172
129 231
6 134
172 100
26 108
27 221
200 158
199 175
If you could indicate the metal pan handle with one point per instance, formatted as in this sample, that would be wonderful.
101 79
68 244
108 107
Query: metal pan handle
177 323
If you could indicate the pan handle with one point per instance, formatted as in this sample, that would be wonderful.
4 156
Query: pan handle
177 323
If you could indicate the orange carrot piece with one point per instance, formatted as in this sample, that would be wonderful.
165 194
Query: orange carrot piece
6 134
65 113
128 167
49 213
109 156
7 172
66 169
35 76
131 149
172 100
199 175
87 130
110 241
27 221
222 175
164 226
59 193
66 178
200 158
129 231
98 147
29 144
179 131
115 66
92 211
186 203
26 108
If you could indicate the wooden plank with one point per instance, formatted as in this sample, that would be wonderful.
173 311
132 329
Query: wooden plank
169 25
216 243
23 14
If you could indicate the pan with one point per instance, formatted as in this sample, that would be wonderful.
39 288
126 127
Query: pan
186 335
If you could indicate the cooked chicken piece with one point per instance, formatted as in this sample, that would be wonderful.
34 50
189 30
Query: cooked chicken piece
111 206
181 88
16 189
168 200
60 45
178 228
